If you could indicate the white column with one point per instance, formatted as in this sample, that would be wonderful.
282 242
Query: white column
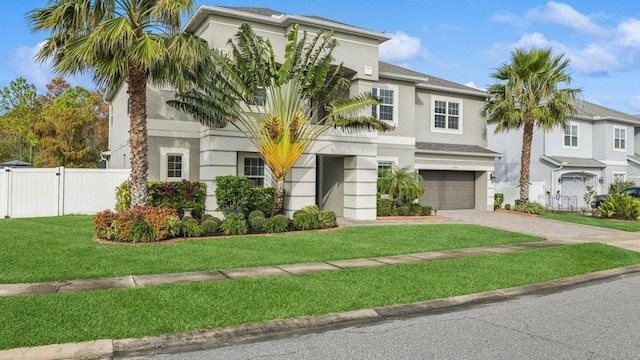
360 188
300 184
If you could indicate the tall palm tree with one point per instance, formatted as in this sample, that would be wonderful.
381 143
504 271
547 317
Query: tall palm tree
526 95
135 41
306 97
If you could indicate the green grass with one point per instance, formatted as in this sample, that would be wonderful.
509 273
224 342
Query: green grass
623 225
70 317
48 249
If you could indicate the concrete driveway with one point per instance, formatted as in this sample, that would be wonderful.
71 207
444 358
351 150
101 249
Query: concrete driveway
550 229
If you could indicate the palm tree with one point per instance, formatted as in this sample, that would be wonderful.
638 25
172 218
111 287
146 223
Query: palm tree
123 40
306 98
403 185
527 96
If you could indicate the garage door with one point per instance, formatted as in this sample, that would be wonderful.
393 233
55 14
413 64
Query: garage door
449 190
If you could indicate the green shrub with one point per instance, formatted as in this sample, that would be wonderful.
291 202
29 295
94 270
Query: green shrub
620 185
327 219
313 210
300 211
187 217
257 223
205 217
498 199
209 227
263 199
276 224
142 232
384 207
190 228
141 224
176 195
233 193
402 185
305 221
102 223
507 206
530 208
620 206
234 224
403 210
419 210
256 213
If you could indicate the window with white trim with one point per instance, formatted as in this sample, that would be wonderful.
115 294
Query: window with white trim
619 138
174 164
571 136
259 99
254 170
384 166
447 115
619 176
386 110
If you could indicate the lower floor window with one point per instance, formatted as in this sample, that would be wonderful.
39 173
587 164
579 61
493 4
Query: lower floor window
174 165
254 170
384 166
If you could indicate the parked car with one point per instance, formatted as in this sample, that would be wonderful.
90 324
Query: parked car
632 191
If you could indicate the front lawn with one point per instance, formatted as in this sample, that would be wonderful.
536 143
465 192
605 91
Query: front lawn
623 225
48 249
124 313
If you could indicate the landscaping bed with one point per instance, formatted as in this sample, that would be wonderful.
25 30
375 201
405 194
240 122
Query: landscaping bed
89 315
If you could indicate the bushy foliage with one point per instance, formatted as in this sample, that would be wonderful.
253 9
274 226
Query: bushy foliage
257 223
384 207
205 217
304 220
276 224
402 185
620 185
262 199
138 224
327 219
256 213
190 227
234 224
498 199
300 211
507 206
176 195
209 227
620 206
530 208
313 210
419 210
232 193
403 210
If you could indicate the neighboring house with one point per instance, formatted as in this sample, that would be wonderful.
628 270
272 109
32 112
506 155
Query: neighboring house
439 130
596 148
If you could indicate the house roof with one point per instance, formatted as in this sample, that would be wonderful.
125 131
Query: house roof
574 161
15 163
634 158
425 80
271 16
595 112
431 147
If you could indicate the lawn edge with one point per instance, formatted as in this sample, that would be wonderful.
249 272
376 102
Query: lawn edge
274 329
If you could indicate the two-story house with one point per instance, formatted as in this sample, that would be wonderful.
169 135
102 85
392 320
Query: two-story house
596 148
438 131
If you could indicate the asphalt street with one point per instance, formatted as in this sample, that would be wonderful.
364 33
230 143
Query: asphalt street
597 321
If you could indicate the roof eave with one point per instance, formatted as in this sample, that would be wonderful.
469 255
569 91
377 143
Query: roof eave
203 12
484 94
633 160
606 118
426 151
556 163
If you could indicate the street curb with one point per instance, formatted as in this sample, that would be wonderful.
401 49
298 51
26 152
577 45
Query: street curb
242 334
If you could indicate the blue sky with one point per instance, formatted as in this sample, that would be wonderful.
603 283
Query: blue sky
461 41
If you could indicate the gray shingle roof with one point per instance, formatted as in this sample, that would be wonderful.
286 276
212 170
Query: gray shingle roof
454 148
592 110
429 79
635 158
255 10
574 161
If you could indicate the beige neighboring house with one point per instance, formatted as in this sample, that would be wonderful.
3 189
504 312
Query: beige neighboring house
439 130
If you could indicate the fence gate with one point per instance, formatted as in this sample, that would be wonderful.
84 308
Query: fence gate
33 192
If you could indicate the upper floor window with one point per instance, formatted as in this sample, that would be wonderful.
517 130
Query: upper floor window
254 170
619 138
447 115
571 135
386 110
259 99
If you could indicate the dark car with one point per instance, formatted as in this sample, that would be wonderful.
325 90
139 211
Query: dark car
633 191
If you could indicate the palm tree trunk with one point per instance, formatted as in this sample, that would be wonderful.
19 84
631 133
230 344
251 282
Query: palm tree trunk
279 208
138 135
525 161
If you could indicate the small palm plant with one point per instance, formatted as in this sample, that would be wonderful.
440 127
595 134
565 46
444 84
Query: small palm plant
402 185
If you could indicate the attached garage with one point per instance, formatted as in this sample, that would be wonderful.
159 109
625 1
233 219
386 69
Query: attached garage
449 190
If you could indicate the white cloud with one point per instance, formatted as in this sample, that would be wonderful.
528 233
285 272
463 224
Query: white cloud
473 85
402 48
565 15
508 18
22 61
629 33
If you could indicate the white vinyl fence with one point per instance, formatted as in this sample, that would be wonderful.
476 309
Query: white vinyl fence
32 192
511 192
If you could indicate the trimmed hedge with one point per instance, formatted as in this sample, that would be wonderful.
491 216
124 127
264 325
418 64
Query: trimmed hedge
176 195
138 224
235 193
